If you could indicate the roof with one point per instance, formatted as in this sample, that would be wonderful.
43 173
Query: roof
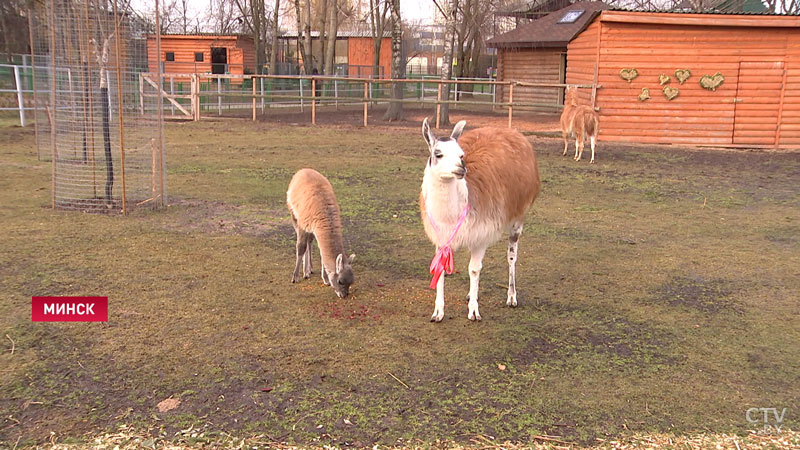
339 34
712 19
209 36
547 32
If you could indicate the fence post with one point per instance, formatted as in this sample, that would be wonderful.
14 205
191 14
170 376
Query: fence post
366 101
439 105
172 93
219 96
510 103
254 98
262 95
20 100
313 101
196 96
336 93
141 94
301 94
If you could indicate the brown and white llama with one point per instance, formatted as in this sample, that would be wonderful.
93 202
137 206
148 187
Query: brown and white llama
484 182
582 120
315 214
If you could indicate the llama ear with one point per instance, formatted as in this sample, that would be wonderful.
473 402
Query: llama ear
339 264
351 258
427 133
458 129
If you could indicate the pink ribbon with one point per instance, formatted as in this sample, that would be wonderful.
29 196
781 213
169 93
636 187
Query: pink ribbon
443 259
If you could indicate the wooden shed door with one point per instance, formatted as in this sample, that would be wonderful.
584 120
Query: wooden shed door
757 101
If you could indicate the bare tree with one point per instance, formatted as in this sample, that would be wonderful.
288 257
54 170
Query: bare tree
395 110
450 13
333 30
273 53
377 24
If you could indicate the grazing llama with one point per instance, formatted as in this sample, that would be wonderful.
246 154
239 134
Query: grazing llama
476 187
315 214
579 119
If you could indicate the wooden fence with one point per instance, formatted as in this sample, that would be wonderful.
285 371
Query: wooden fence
256 95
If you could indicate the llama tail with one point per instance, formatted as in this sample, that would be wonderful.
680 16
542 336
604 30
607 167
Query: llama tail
591 124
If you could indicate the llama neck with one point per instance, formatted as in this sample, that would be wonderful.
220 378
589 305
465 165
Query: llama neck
331 244
444 199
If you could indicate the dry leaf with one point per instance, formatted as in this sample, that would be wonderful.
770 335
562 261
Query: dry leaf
501 366
168 404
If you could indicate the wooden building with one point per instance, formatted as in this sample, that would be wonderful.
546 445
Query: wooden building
750 65
202 53
688 78
536 52
353 49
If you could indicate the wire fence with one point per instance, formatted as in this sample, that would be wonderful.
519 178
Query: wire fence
107 153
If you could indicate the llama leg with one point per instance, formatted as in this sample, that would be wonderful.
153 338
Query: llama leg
307 257
566 142
578 146
593 140
513 240
302 242
475 266
325 280
438 307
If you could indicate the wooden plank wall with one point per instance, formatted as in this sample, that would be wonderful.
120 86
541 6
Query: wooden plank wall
581 59
790 113
696 116
360 53
533 66
185 49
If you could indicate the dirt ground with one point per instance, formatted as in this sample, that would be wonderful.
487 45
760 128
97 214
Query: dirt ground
658 296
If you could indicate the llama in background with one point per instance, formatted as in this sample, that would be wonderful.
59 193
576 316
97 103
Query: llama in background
315 214
579 119
483 182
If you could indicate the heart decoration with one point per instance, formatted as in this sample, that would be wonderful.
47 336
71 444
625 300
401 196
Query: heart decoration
712 82
682 75
628 74
645 95
663 79
670 92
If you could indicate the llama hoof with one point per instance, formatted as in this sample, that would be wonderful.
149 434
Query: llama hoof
591 162
306 276
474 316
437 316
294 279
512 301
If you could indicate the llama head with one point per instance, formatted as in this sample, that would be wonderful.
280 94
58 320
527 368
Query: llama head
342 277
446 161
570 95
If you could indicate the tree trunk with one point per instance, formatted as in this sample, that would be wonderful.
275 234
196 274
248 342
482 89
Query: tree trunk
322 14
333 29
377 25
300 48
447 60
395 111
255 11
273 55
309 50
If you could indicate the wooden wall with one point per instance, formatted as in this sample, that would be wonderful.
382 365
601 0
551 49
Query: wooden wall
746 110
533 66
360 53
789 131
582 59
185 47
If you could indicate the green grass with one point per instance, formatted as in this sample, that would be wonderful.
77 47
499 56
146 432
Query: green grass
658 293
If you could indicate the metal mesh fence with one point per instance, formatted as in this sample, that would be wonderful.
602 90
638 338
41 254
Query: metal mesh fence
102 129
